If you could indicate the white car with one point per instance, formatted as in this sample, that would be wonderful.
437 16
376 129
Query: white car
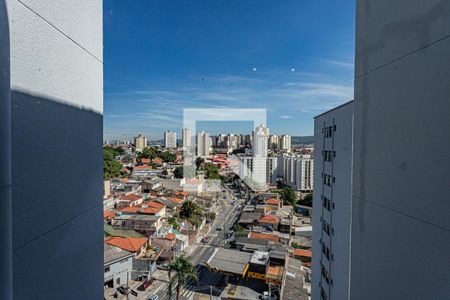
153 297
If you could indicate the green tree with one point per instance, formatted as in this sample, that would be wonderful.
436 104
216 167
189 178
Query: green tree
199 162
115 150
189 209
148 152
179 172
168 157
288 195
182 269
108 154
239 150
174 222
111 169
211 171
307 200
295 245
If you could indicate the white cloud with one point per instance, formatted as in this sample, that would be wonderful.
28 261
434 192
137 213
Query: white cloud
338 63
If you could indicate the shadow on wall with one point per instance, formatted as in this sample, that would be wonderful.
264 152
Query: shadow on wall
57 178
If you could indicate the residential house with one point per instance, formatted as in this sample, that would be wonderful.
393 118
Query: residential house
264 236
137 246
118 264
169 244
146 224
129 200
272 204
269 221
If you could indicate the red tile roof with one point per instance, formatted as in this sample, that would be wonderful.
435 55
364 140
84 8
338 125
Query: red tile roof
133 209
108 214
269 219
149 211
301 252
143 167
170 236
184 193
155 204
131 197
157 160
145 160
175 199
127 243
264 236
273 201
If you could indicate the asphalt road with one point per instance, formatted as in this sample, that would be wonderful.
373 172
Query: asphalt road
226 217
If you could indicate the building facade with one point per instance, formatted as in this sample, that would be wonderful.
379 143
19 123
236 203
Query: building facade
187 137
118 266
170 139
297 171
140 142
401 155
332 203
203 147
285 143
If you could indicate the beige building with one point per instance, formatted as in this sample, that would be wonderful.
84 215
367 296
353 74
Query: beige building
140 142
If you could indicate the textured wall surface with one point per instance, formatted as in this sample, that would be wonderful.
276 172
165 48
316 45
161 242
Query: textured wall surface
57 104
401 228
5 160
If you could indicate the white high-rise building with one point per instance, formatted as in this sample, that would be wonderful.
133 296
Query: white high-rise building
260 147
203 144
232 141
140 142
170 139
256 168
260 141
297 171
332 203
187 138
274 141
285 143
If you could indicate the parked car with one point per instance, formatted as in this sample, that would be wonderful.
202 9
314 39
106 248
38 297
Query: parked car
153 297
123 290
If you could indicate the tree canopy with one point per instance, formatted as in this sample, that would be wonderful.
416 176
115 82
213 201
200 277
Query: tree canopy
182 269
307 200
148 152
288 195
111 167
211 171
179 172
167 156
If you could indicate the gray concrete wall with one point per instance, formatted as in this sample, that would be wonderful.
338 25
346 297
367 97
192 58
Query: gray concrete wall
400 223
57 103
5 160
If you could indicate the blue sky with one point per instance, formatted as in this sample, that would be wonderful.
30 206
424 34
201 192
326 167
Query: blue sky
292 57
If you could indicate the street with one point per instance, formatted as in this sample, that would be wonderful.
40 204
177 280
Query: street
226 217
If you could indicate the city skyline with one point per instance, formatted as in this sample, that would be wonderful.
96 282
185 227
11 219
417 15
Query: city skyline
181 63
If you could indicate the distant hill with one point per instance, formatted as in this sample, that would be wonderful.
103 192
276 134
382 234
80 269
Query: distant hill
297 140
